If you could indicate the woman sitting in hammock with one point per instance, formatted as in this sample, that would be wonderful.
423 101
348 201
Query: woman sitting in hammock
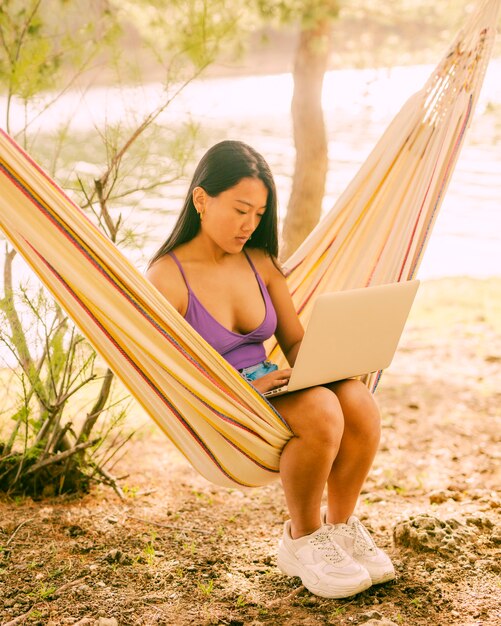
218 268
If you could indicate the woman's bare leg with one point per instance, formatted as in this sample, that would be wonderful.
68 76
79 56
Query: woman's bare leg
337 434
357 450
336 437
316 419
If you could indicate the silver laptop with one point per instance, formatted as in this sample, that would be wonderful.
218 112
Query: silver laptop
351 333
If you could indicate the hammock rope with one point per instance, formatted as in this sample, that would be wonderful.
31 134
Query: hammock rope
376 233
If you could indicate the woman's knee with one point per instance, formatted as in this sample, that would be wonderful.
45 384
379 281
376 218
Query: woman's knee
359 407
319 416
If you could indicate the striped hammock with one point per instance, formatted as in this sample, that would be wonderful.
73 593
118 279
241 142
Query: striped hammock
376 233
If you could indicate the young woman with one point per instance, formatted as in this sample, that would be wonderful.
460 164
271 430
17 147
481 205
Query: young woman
218 268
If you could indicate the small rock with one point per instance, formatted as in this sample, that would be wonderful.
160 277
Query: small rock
373 615
380 622
439 497
492 358
113 556
75 531
106 621
425 533
480 522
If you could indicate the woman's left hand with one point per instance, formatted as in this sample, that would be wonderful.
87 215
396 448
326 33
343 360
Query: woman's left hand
272 380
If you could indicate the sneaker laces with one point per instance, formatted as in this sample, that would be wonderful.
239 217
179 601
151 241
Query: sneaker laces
363 543
328 548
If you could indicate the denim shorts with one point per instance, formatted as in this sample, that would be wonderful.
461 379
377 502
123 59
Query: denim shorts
256 371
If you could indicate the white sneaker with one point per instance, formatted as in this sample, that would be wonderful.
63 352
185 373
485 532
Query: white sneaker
323 567
355 539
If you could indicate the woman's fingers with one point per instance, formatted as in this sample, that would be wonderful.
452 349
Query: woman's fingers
274 379
282 377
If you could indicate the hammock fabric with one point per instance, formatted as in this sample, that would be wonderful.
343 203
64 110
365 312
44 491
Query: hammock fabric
376 233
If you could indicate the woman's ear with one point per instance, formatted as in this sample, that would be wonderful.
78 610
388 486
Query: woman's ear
199 196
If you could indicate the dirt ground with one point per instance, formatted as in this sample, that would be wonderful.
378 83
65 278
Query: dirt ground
180 551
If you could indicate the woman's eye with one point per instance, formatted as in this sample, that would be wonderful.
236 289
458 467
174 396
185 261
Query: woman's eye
241 212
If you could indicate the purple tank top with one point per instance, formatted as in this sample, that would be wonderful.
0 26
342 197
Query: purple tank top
239 350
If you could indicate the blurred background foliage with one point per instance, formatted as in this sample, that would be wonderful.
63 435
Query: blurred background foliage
366 33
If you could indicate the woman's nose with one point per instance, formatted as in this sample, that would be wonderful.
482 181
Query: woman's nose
249 224
252 222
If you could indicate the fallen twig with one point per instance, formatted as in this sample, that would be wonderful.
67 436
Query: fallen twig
147 492
111 480
19 618
287 597
172 526
72 583
17 529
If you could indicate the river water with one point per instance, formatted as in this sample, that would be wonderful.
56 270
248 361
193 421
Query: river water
358 106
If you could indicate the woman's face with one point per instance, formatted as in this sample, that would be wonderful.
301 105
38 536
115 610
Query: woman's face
230 218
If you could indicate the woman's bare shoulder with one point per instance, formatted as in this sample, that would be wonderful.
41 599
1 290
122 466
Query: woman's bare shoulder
267 267
164 274
165 265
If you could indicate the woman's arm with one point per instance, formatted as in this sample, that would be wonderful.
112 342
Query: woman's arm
289 331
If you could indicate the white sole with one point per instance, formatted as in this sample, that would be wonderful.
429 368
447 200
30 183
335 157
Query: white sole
384 578
291 567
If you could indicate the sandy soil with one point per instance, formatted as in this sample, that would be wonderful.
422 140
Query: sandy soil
180 551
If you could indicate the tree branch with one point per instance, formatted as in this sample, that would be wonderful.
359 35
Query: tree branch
98 407
18 337
61 456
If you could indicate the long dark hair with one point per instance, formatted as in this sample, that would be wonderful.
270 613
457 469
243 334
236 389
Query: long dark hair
222 167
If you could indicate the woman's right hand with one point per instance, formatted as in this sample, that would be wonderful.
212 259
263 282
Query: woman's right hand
272 380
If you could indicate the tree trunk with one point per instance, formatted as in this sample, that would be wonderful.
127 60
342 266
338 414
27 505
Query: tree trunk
305 202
